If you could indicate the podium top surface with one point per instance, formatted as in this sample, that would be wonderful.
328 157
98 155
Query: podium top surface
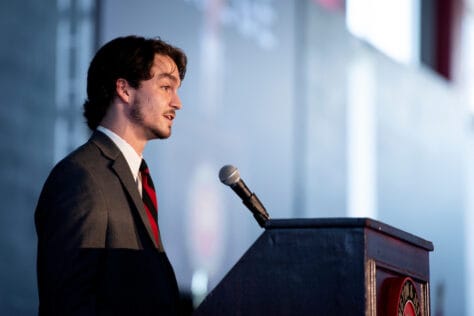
365 223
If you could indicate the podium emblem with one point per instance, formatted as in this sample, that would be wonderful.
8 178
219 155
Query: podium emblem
403 299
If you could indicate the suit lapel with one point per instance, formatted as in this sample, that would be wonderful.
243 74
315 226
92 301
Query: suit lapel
120 167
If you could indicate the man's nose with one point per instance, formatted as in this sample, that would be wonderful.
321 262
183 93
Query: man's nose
176 102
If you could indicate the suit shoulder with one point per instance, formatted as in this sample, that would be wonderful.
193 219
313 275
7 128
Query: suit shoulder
86 157
75 168
74 179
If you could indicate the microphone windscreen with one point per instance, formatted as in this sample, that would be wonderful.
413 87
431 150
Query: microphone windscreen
229 175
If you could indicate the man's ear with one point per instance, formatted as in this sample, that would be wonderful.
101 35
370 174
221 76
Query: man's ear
123 90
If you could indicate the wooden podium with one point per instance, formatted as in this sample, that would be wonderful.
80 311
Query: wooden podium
332 266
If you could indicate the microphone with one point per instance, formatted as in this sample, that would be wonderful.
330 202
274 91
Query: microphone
229 175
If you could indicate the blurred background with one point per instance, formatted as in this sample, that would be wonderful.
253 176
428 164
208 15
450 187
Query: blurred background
329 108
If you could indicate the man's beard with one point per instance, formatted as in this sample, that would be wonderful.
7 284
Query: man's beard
137 116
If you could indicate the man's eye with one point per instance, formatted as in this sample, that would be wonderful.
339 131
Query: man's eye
166 88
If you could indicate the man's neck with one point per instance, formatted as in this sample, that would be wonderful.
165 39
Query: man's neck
127 133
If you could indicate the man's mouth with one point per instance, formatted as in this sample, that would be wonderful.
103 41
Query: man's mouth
169 116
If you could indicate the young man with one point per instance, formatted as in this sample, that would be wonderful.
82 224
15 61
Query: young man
99 246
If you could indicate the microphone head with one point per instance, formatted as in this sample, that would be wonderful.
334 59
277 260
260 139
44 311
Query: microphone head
229 175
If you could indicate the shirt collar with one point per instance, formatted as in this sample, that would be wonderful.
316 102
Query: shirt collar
131 156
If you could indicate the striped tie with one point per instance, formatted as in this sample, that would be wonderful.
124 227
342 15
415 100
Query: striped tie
150 202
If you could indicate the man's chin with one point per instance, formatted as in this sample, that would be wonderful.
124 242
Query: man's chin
161 134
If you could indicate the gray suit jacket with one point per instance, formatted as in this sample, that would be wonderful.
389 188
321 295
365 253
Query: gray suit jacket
96 251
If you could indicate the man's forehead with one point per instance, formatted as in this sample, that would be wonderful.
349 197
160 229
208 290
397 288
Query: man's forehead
165 64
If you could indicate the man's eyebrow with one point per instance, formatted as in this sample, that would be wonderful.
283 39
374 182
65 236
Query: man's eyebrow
170 77
167 75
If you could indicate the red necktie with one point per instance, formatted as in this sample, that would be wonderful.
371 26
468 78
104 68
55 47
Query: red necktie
149 200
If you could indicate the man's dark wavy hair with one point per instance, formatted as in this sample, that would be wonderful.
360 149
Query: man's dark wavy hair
129 58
